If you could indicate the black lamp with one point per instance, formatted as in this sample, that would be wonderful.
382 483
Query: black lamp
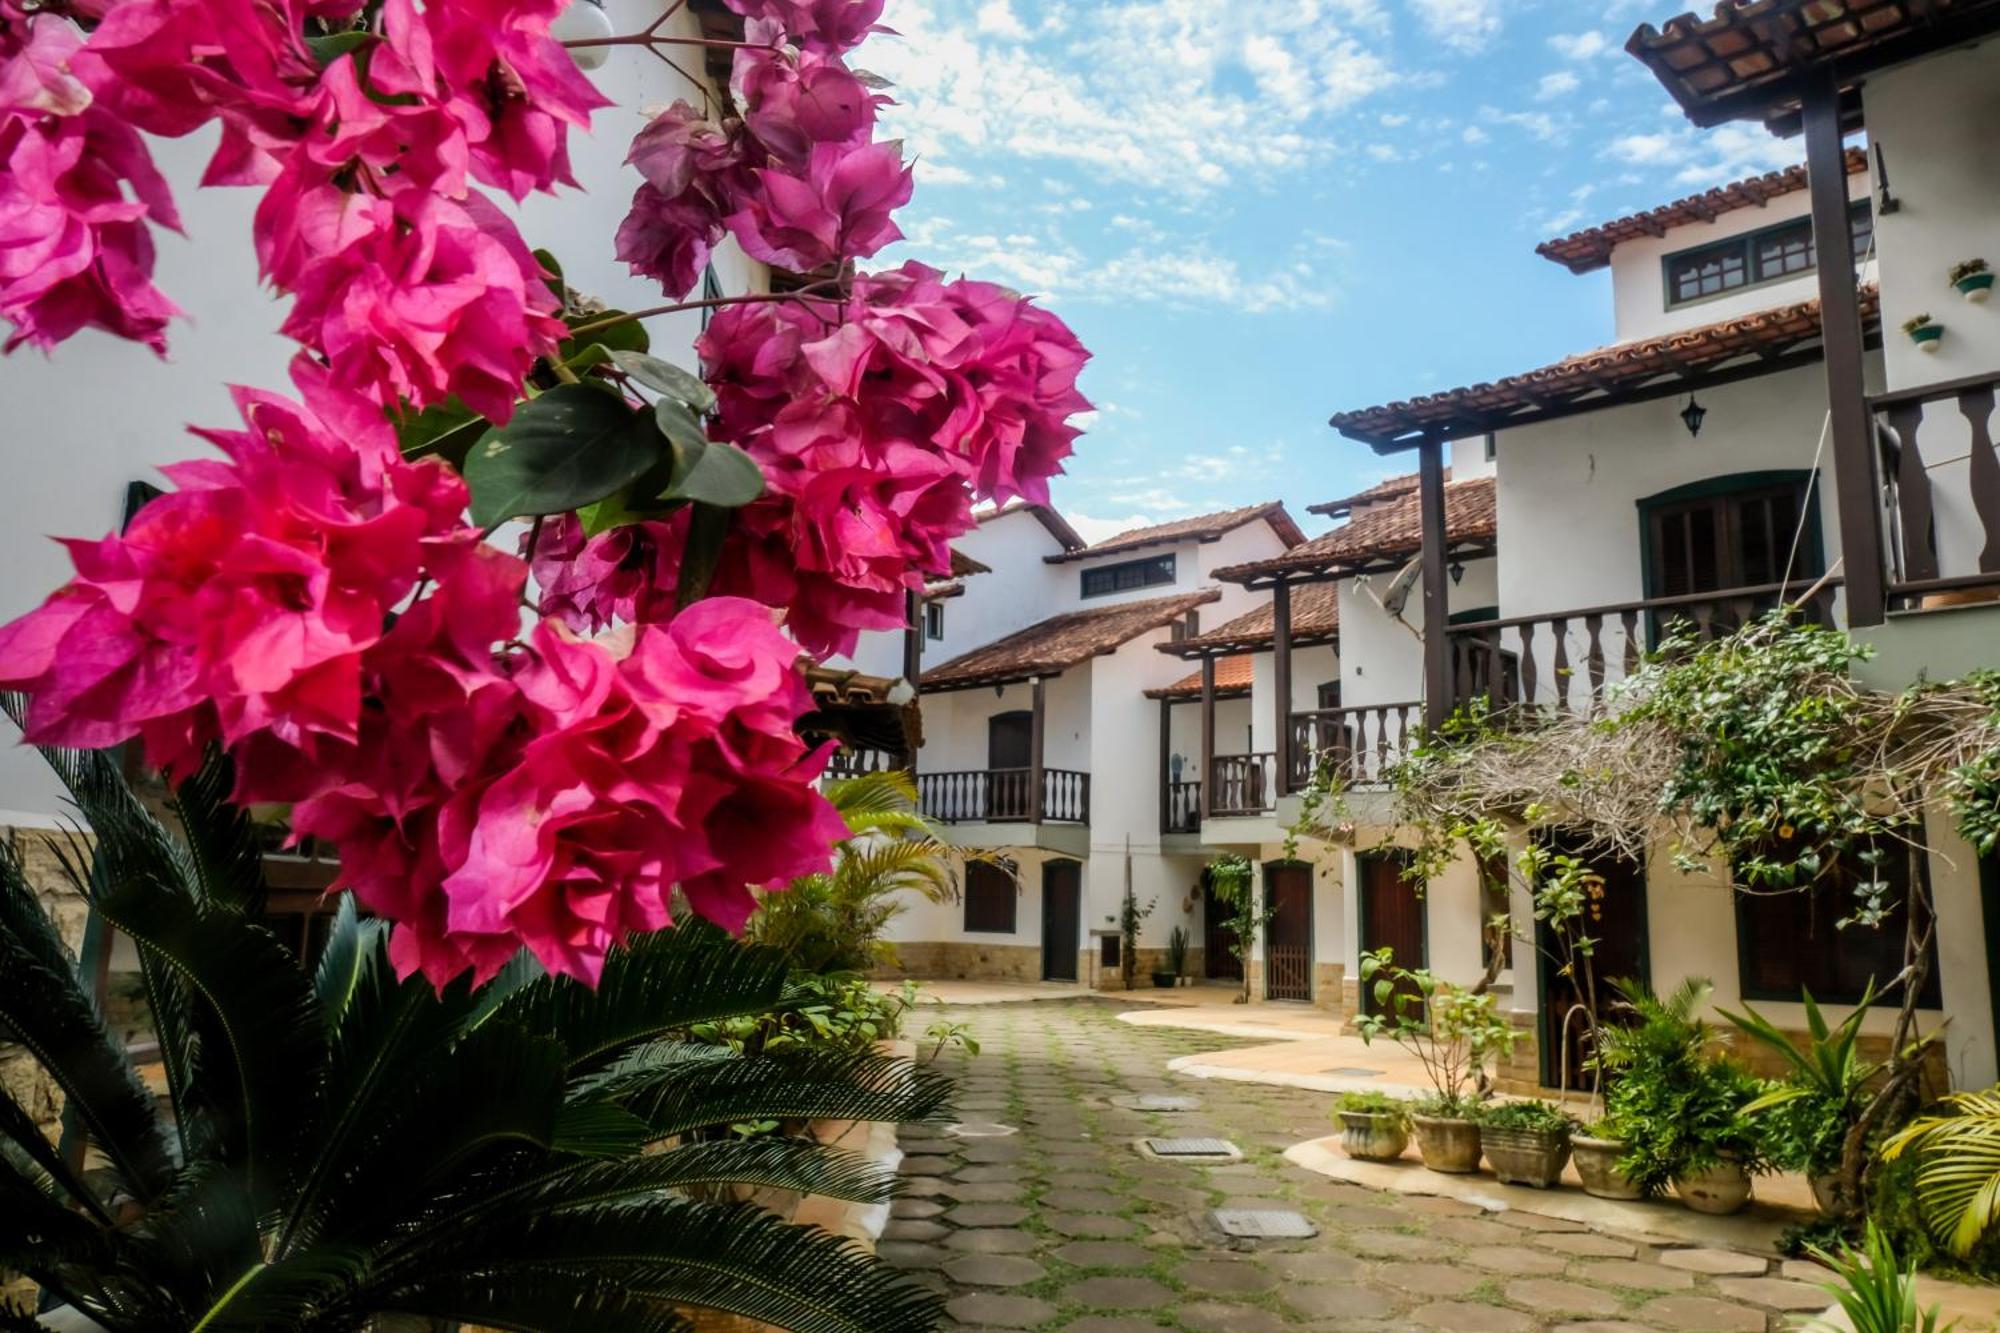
1692 416
1457 572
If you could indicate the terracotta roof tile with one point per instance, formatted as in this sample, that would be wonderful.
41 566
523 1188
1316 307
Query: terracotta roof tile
1382 490
963 565
1763 342
1748 61
1315 619
1582 251
1233 678
1385 535
1202 527
1061 642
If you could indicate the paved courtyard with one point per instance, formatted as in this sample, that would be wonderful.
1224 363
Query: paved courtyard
1063 1225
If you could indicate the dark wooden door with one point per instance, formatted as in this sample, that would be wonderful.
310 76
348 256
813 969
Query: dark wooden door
1062 912
1218 943
1288 957
1614 918
1391 916
1010 754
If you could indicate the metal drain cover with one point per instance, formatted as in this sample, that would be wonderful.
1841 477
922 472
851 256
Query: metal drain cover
1263 1224
1157 1101
980 1129
1355 1071
1199 1150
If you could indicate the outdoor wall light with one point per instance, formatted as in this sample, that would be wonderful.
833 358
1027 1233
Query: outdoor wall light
1692 416
1457 572
584 21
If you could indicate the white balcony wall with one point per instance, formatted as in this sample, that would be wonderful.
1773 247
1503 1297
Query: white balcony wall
955 723
100 413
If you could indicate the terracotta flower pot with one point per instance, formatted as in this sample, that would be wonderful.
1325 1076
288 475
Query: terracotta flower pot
1448 1145
1597 1164
1373 1136
1722 1188
1827 1196
1534 1157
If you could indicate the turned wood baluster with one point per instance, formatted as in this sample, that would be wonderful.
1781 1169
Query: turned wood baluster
1528 663
1704 621
1594 626
1977 405
1913 495
1629 618
1381 740
1560 625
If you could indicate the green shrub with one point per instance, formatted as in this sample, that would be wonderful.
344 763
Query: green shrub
1373 1103
836 1015
1681 1109
1534 1117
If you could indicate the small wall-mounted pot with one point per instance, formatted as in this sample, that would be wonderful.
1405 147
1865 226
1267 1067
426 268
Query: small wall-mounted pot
1927 336
1976 287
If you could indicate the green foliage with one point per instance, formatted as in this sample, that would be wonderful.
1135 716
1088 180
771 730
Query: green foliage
837 922
1452 1032
1972 788
1875 1292
1536 1117
1371 1102
838 1014
569 447
1678 1108
1177 951
1805 1119
1233 881
945 1033
1130 917
1958 1167
346 1148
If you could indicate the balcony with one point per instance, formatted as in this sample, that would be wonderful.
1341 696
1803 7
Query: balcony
1005 796
1243 784
1950 558
1358 744
1180 809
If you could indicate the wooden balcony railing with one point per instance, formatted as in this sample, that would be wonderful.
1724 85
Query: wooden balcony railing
853 763
1359 743
1568 661
1182 811
1005 796
1937 558
1243 784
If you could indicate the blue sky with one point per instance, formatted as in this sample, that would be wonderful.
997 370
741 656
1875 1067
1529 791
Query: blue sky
1259 212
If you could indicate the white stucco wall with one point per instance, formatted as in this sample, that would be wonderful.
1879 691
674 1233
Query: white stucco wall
1638 277
100 413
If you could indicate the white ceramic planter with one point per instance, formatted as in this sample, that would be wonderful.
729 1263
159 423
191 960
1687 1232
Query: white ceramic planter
1722 1188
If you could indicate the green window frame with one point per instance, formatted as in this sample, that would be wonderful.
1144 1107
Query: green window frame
1754 259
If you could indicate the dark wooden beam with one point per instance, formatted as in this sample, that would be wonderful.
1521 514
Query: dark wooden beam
1037 740
1281 681
913 640
1207 770
1166 756
1437 606
1841 346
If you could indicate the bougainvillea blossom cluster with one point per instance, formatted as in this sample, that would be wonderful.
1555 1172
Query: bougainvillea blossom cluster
494 771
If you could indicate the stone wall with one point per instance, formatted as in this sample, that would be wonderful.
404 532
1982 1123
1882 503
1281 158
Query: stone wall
966 961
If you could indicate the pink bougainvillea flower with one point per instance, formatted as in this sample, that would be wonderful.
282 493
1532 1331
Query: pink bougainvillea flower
669 239
239 604
793 100
838 210
411 298
816 25
78 191
626 576
692 169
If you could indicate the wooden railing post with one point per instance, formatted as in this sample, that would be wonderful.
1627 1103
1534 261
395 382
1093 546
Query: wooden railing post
1437 610
1281 681
1207 733
1840 324
1037 736
1166 762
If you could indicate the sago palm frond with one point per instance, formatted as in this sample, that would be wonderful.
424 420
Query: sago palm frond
1958 1167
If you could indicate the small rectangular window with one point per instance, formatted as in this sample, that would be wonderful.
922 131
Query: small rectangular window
1789 941
990 894
1694 274
933 620
1128 575
1771 254
1783 251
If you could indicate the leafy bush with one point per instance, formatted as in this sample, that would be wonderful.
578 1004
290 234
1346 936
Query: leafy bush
835 1015
1679 1108
1875 1292
1958 1167
1373 1103
1805 1119
1451 1031
1535 1117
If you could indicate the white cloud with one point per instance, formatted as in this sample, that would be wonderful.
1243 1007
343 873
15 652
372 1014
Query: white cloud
1463 25
1538 123
1646 149
1094 529
1473 134
1175 95
1559 84
1580 45
1383 152
1698 159
1154 499
1390 120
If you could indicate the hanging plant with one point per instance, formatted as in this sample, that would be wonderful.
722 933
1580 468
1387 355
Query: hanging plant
1923 332
1974 280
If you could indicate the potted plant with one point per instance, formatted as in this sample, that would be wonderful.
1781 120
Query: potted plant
1923 332
1807 1118
1177 955
1527 1142
1974 280
1682 1110
1374 1126
1452 1032
1597 1148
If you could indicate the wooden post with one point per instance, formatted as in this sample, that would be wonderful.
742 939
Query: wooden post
1035 744
913 640
1166 762
1437 607
1281 681
1840 323
1207 773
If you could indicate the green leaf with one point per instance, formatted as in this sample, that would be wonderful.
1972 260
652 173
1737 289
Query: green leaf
667 378
629 336
552 267
448 429
333 46
682 427
572 446
718 474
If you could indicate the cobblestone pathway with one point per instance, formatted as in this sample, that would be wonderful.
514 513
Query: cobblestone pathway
1064 1226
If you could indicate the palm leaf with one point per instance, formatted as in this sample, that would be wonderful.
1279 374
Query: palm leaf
677 1094
45 1009
222 845
738 1259
1958 1170
18 1128
655 985
536 1302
